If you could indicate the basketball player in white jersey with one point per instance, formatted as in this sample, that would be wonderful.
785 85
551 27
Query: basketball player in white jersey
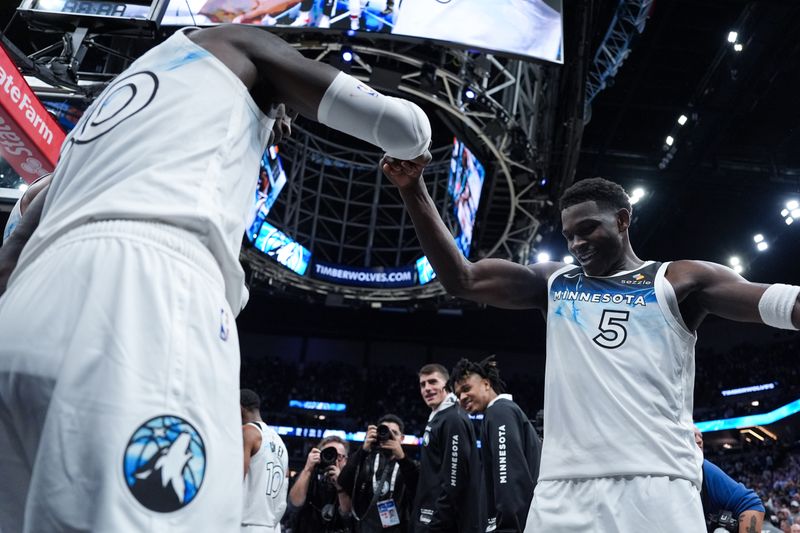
119 360
619 452
266 465
527 27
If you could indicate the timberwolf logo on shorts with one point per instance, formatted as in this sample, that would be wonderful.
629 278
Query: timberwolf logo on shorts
165 463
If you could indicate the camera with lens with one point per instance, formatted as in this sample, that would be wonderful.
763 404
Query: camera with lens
328 457
384 434
721 522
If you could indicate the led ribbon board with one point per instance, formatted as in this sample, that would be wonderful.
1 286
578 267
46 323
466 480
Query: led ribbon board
364 277
317 406
751 420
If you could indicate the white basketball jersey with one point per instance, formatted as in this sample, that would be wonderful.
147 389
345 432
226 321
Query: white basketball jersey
619 381
527 27
175 138
265 485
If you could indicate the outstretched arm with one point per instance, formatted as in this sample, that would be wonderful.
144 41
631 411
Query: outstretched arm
275 73
491 281
718 290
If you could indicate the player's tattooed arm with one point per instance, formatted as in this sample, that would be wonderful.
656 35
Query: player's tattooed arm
751 521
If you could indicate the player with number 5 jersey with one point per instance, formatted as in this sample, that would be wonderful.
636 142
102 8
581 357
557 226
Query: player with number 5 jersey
619 451
620 343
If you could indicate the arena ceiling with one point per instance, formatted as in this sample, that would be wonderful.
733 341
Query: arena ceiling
731 167
736 161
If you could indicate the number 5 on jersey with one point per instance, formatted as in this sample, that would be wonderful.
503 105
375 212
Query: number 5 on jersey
613 331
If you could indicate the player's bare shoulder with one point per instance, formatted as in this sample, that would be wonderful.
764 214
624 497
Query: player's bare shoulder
688 276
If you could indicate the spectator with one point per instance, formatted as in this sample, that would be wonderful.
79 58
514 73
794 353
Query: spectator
720 492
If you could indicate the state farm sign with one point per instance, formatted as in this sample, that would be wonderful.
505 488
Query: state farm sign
29 136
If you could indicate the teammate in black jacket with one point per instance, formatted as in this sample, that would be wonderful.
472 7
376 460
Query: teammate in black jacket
448 494
510 447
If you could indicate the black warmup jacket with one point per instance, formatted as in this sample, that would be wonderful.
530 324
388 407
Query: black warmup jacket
511 451
450 485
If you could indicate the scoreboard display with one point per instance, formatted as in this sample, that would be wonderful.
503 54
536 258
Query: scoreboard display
92 13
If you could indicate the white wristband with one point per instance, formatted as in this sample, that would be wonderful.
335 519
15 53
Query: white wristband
777 304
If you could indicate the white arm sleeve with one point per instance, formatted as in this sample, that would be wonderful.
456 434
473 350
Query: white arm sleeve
399 127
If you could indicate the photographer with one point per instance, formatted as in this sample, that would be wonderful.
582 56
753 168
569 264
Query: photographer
381 480
728 505
316 499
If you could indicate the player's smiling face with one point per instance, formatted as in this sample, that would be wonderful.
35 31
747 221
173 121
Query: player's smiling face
595 236
473 393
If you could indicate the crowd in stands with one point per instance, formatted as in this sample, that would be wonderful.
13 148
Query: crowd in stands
372 391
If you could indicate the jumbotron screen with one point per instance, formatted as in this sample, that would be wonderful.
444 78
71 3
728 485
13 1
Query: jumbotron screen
464 185
529 28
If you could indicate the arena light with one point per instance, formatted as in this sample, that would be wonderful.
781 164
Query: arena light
469 94
637 194
23 187
542 257
767 432
784 212
734 261
669 140
682 119
755 403
762 246
733 36
568 259
738 47
795 213
792 204
738 269
751 432
758 238
347 55
788 221
749 421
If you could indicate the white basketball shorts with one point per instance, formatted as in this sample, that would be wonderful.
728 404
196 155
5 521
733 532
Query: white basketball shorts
652 504
119 387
